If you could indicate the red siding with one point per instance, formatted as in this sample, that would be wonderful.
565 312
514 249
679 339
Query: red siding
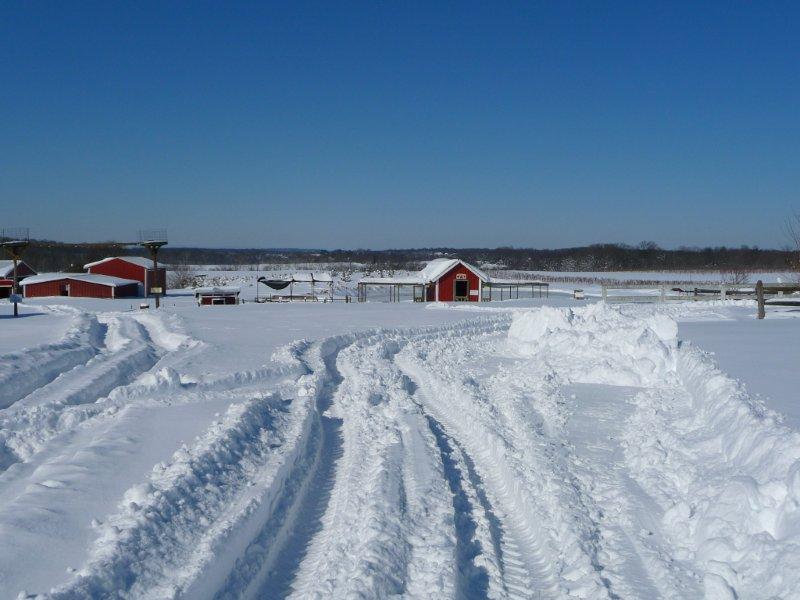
126 270
86 289
447 284
79 289
120 268
46 288
207 300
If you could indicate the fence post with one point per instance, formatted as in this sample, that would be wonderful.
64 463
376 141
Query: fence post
760 298
605 293
722 292
663 293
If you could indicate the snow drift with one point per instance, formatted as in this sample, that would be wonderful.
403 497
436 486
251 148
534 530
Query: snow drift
723 469
598 344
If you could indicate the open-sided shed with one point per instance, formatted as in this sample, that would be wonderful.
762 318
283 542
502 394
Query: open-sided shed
301 286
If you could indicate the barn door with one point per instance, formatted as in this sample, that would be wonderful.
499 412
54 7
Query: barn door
461 290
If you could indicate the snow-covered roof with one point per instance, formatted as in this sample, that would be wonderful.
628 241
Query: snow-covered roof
439 266
216 290
87 277
501 281
432 272
436 268
309 277
408 280
7 267
135 260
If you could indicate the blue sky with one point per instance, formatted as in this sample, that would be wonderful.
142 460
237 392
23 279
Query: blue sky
343 125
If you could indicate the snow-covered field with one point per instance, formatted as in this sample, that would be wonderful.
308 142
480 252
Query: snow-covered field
529 449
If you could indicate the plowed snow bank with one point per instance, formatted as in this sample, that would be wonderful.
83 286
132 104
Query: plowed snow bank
724 470
598 344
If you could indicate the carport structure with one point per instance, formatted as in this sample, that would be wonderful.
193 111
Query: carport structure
323 280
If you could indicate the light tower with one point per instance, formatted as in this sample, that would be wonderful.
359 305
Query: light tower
15 240
153 240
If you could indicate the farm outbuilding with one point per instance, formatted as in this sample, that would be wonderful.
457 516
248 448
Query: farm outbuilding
79 285
450 280
137 268
7 275
212 296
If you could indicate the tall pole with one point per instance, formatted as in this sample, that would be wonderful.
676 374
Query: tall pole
155 276
15 285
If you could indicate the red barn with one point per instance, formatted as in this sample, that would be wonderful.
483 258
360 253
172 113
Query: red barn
452 280
79 285
137 268
7 275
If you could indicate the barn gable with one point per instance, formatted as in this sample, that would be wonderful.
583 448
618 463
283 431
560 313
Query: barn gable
131 267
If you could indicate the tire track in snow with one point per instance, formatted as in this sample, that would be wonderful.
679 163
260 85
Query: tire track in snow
23 372
153 543
473 580
373 541
268 565
533 565
71 398
191 541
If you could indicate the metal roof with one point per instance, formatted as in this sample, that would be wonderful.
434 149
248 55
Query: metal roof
87 277
140 261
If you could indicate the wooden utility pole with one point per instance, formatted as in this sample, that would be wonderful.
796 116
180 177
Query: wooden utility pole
15 241
153 240
760 298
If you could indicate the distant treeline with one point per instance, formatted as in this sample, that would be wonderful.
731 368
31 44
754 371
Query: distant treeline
647 256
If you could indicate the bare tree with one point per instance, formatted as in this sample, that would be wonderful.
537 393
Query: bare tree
181 276
735 276
793 233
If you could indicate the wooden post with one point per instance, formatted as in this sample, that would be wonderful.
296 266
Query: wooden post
663 293
605 294
722 292
760 298
15 286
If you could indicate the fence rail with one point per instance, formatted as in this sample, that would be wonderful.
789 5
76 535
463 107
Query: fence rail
765 294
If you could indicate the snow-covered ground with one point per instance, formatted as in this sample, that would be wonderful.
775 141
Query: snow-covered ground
528 449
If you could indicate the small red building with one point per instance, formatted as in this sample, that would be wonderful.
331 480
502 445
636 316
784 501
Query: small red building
137 268
212 296
7 275
453 280
79 285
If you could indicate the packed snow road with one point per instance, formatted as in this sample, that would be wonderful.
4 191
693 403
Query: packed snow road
547 453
